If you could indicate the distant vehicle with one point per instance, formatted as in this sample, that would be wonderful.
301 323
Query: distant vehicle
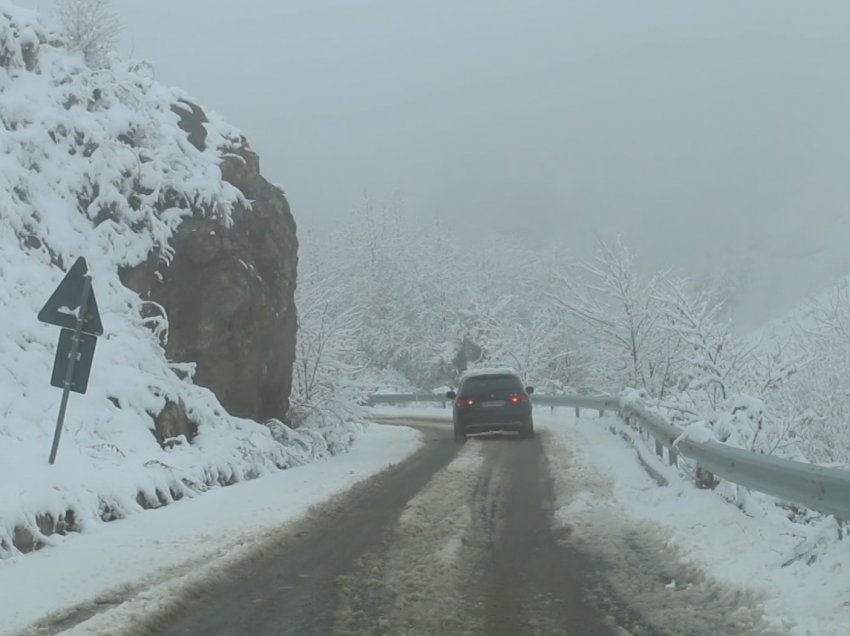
491 400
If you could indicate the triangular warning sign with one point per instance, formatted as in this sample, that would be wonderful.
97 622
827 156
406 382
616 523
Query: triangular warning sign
64 304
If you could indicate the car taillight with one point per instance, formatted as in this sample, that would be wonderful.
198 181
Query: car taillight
465 401
519 398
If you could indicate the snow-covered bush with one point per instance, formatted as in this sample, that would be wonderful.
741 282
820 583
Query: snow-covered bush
817 397
728 384
327 387
90 27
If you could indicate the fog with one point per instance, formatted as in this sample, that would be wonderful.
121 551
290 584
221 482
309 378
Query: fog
710 135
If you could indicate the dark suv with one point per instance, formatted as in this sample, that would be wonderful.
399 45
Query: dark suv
491 400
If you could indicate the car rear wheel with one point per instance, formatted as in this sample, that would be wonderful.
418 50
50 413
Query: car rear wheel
460 436
527 430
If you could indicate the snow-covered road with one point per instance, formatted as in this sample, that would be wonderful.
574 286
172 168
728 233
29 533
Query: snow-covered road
457 540
671 558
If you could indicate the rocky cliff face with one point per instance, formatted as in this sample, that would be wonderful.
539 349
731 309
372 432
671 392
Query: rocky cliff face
228 290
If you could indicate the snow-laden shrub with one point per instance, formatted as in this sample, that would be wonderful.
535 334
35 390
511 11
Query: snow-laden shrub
89 27
817 397
328 389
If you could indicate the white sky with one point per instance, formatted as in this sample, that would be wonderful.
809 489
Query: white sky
695 129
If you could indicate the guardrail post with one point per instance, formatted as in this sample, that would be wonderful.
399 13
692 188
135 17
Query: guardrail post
578 412
704 479
672 457
601 413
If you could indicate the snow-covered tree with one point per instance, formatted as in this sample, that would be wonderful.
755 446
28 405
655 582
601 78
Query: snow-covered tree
327 374
619 312
431 305
817 397
733 386
709 357
418 305
90 27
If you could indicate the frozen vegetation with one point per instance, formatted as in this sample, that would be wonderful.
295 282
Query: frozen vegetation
417 302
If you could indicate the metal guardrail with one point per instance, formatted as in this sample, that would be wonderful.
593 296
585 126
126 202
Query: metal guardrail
603 403
819 488
405 398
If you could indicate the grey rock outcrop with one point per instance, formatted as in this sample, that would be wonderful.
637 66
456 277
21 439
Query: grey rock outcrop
229 291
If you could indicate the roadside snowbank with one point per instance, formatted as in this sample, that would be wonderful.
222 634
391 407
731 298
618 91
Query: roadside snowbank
795 569
179 540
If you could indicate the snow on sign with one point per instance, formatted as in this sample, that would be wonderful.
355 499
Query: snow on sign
73 307
61 308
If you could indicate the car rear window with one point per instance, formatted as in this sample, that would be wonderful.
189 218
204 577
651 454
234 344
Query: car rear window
482 383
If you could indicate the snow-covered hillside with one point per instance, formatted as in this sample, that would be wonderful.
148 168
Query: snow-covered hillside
808 316
94 164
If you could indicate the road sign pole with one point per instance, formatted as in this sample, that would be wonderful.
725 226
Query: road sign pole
72 361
